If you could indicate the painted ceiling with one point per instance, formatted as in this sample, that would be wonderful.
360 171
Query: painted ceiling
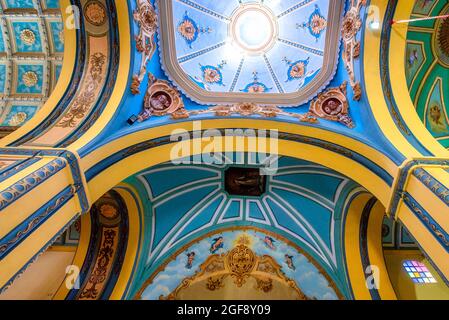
31 53
302 202
236 48
296 270
427 67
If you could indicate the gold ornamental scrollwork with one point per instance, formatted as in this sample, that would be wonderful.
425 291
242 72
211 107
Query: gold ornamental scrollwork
333 105
146 18
352 24
161 99
240 263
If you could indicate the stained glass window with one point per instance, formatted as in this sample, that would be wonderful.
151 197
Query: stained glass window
418 272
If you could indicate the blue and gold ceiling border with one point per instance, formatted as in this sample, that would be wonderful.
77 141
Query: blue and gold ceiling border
31 54
92 81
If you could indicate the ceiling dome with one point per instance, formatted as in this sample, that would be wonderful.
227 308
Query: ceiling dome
246 51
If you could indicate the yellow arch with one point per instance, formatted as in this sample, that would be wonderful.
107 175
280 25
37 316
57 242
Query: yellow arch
120 85
68 65
355 268
131 165
133 246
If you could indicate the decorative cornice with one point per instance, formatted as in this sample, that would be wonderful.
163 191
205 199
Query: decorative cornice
38 254
440 190
154 143
25 185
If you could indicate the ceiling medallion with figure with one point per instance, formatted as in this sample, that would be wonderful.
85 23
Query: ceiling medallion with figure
28 37
333 105
160 99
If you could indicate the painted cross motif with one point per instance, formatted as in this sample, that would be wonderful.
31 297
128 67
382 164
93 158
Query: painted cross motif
256 86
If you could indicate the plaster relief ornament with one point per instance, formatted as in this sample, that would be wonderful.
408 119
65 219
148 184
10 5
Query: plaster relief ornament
161 99
30 79
18 119
316 25
28 37
352 24
241 261
252 109
333 105
109 211
146 18
95 13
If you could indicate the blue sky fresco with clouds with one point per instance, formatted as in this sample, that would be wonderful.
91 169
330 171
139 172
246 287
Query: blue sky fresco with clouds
306 275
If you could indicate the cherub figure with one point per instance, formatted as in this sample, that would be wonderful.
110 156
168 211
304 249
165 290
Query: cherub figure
269 243
217 244
289 262
190 259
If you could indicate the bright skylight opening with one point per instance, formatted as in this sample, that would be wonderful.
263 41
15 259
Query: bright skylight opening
254 29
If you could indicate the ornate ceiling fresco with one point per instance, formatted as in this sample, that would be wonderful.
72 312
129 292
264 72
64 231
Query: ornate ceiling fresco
240 265
303 202
427 67
240 51
31 53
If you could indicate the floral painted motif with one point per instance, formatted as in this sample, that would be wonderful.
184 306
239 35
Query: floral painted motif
87 96
28 37
190 31
316 25
256 86
296 70
212 74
